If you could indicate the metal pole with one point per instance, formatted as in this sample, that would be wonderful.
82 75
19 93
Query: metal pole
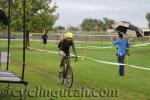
24 36
85 49
126 66
101 41
8 48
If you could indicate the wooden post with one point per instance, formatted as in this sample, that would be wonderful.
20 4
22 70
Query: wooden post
0 61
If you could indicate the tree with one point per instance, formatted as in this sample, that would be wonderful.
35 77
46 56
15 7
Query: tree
3 6
103 26
148 18
39 14
59 28
73 28
108 23
91 25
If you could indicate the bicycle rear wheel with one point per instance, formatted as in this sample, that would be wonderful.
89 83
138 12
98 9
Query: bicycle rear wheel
69 77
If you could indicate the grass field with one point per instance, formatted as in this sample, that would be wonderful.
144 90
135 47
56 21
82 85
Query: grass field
42 71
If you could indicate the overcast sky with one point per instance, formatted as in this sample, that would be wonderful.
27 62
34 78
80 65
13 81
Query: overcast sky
72 12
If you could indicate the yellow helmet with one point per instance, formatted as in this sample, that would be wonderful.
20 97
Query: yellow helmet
69 35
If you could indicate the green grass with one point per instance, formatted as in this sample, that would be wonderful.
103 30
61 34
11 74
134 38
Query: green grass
42 70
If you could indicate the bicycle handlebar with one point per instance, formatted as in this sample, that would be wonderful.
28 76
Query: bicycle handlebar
72 57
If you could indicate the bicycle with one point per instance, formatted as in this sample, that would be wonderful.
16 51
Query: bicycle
66 72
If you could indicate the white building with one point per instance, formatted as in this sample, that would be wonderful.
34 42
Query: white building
146 31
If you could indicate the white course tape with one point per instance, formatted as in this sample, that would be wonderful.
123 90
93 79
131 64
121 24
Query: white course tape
101 61
95 47
43 50
103 47
112 63
54 52
138 45
105 62
99 47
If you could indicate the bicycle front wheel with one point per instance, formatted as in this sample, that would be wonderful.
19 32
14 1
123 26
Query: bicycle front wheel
61 73
69 77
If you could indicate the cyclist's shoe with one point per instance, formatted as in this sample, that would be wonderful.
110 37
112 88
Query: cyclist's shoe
60 69
61 74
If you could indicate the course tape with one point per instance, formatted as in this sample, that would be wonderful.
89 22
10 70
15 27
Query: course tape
99 47
100 61
105 47
54 52
137 45
112 63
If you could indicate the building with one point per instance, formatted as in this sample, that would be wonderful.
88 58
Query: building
146 31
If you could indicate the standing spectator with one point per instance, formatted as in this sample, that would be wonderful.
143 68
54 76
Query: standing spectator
44 38
123 46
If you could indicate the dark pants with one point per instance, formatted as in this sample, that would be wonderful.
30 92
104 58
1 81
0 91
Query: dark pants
63 58
121 67
44 41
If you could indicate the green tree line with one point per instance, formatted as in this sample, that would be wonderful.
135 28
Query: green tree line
90 24
40 14
148 18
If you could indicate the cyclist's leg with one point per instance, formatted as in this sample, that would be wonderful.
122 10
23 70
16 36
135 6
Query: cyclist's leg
63 55
67 59
68 64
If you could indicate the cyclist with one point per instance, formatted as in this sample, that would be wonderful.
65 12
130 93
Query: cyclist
64 46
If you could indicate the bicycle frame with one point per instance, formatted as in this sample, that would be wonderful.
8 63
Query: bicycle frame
68 60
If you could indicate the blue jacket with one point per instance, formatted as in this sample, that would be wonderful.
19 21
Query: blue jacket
122 46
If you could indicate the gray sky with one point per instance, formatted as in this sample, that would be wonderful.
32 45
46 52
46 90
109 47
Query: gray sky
72 12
